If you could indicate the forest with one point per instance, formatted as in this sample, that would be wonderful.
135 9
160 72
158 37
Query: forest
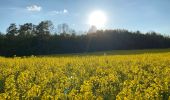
29 39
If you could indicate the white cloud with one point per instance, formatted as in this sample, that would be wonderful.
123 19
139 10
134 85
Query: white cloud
73 24
34 8
64 11
54 12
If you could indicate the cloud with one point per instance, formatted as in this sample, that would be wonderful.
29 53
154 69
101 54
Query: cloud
65 11
34 8
59 12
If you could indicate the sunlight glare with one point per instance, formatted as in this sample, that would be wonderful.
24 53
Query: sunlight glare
97 18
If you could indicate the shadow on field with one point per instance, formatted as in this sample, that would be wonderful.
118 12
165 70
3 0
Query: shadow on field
113 52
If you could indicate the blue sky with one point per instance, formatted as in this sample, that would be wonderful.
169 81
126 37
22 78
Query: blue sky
143 15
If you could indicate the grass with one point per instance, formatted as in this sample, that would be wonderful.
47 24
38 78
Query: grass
112 52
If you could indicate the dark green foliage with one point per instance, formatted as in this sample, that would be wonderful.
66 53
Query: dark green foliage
2 85
31 39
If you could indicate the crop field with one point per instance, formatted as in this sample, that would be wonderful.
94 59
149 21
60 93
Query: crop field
123 75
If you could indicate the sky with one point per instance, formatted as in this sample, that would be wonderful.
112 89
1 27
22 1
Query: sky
143 15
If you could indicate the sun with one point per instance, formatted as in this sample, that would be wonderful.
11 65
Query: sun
97 18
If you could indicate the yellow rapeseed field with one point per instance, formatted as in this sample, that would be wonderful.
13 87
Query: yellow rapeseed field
88 77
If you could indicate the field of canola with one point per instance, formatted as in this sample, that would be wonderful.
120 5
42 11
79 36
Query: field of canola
105 77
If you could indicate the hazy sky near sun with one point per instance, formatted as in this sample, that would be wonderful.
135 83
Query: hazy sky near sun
143 15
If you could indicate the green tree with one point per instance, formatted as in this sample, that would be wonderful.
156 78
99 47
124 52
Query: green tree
44 28
26 29
12 30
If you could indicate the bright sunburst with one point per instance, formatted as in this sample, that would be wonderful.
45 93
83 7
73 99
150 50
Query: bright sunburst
97 18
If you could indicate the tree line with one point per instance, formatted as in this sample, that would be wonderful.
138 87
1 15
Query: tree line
29 39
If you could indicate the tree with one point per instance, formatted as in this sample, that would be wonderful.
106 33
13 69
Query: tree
26 29
32 39
63 28
44 28
92 29
12 30
73 33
